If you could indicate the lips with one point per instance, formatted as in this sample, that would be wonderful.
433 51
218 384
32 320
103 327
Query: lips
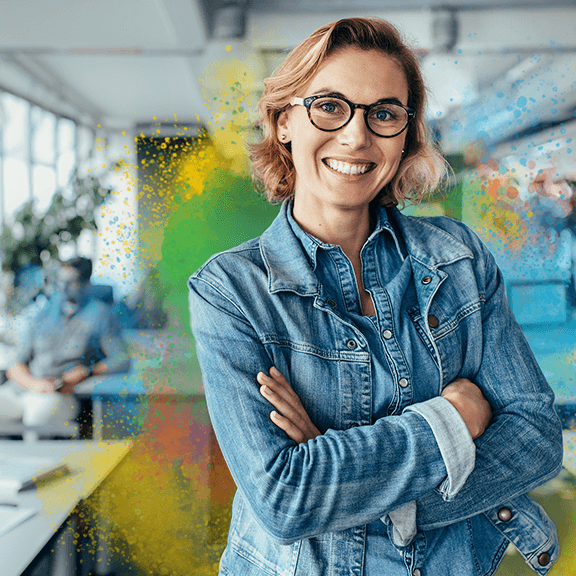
349 168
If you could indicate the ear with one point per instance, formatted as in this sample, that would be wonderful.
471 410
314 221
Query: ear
283 126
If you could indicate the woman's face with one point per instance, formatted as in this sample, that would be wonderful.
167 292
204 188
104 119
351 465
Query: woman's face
323 160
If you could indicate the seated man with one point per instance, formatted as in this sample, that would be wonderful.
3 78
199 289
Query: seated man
73 337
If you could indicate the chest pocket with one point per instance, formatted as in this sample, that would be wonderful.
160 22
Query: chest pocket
332 384
456 333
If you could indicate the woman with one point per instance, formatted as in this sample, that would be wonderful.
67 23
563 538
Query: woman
374 398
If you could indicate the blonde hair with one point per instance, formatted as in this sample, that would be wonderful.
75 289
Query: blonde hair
422 166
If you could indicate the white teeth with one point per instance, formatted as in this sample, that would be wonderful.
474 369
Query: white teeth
346 168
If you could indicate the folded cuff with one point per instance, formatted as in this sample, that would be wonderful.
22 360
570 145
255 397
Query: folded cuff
456 445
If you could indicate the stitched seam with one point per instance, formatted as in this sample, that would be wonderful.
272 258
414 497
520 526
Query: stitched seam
348 356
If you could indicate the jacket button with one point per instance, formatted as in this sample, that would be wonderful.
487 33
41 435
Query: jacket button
504 514
544 559
387 334
433 321
331 303
351 344
354 425
403 382
417 572
426 280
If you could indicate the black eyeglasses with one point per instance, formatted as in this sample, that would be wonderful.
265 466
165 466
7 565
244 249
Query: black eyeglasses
385 118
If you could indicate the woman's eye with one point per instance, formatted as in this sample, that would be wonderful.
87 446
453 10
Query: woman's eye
329 106
383 115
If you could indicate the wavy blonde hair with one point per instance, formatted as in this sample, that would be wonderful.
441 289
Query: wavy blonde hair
422 167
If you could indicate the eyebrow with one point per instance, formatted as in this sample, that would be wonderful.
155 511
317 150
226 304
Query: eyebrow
330 92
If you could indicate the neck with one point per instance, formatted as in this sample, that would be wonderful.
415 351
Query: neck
347 228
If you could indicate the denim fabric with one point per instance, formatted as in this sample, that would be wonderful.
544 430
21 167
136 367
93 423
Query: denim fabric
387 275
303 509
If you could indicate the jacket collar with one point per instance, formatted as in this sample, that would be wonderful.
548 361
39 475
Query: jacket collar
427 243
290 265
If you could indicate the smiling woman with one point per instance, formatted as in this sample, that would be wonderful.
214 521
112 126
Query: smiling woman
365 376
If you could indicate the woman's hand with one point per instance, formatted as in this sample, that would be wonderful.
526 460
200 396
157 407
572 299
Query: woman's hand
293 418
468 399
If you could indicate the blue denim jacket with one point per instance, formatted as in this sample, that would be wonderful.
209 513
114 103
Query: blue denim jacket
302 509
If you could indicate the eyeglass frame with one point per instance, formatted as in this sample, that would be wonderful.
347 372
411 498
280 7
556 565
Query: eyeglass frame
307 102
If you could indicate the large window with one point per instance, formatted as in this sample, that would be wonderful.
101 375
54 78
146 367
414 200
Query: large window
38 154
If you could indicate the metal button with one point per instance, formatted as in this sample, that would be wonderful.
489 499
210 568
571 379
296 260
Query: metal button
504 514
433 321
544 559
354 425
403 382
387 334
426 280
351 344
331 303
417 572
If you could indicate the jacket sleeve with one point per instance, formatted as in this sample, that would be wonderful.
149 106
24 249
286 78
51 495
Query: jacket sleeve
341 479
522 447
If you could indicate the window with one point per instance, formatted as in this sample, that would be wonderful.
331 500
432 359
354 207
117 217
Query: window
38 154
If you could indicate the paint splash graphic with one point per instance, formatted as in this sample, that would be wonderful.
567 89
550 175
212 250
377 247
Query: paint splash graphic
165 510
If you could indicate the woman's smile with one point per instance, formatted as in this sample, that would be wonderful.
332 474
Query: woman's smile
349 168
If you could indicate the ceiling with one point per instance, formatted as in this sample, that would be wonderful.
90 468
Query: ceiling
126 64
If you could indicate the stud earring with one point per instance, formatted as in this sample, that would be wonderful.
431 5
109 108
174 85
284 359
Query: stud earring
283 137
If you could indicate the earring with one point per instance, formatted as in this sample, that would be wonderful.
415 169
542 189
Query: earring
282 137
402 150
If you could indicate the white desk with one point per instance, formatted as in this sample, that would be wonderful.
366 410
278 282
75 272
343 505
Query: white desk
90 463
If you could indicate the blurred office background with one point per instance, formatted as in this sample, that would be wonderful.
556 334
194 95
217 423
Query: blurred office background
122 125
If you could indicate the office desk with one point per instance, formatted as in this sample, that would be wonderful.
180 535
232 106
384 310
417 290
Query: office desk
90 463
129 391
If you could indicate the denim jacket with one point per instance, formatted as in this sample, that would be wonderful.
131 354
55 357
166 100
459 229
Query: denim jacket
303 509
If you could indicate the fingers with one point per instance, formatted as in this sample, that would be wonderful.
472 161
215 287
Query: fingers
291 415
288 406
292 431
278 384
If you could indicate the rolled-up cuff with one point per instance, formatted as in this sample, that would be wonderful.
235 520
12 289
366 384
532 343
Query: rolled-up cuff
456 445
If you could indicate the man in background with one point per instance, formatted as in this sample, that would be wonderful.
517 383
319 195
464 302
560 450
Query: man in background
73 337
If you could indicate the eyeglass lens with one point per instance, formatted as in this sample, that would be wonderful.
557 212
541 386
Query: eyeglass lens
329 113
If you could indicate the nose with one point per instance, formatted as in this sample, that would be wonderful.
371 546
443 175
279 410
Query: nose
355 134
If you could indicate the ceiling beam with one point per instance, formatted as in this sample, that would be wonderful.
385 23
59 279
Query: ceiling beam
36 75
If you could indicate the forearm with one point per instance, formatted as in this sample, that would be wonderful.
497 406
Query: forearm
333 482
522 447
500 474
20 374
